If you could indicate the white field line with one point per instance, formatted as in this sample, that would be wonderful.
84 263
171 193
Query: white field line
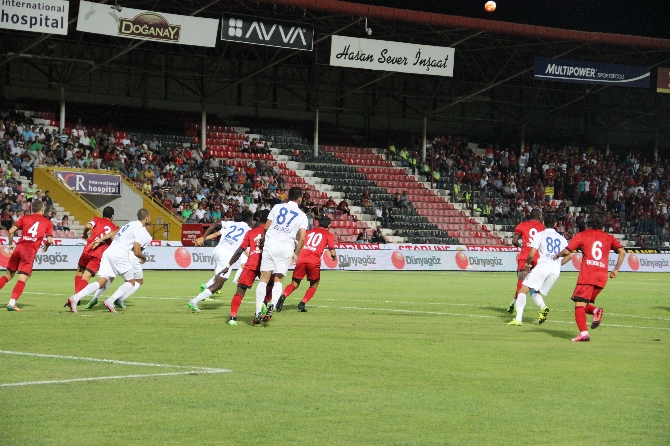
102 378
113 361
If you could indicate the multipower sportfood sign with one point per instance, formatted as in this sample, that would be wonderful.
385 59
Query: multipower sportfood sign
146 25
591 72
267 32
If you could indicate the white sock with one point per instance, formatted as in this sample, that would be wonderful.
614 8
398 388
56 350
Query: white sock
123 289
584 333
537 298
276 292
260 295
202 296
237 276
131 292
209 283
90 289
520 305
12 302
101 290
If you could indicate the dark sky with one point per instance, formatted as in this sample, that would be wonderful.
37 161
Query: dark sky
649 18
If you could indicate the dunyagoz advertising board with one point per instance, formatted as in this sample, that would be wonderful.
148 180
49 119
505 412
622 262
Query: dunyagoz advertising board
201 258
90 183
381 55
256 31
592 72
146 25
39 16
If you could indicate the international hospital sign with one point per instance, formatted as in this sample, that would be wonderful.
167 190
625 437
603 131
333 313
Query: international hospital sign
43 16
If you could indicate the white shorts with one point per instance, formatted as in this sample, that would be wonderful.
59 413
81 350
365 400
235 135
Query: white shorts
540 280
112 265
137 267
276 260
221 260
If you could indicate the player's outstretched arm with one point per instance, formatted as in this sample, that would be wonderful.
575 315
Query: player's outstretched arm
137 250
622 254
208 237
566 252
212 228
109 236
529 260
566 259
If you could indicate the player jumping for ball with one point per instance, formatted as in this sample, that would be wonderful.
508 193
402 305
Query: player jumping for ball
541 278
309 262
33 228
524 234
595 245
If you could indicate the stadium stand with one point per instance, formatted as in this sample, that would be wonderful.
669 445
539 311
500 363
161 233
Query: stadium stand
480 195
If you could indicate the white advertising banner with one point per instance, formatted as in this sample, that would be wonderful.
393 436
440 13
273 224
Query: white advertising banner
147 25
194 258
381 55
38 16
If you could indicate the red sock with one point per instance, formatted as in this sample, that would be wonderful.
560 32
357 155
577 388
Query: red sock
3 281
235 304
580 318
519 284
18 289
308 295
589 309
79 284
268 294
288 290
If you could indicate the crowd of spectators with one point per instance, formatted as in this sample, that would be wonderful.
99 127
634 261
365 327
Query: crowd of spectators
632 191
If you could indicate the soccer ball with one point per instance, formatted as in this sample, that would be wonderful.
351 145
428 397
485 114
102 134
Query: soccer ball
490 6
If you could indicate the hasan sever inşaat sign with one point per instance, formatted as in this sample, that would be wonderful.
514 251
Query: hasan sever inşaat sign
147 25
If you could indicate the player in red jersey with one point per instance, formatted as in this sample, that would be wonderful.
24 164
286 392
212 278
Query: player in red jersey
309 263
251 269
595 245
33 228
89 261
524 234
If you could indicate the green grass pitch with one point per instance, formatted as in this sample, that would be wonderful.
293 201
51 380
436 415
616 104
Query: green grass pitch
381 358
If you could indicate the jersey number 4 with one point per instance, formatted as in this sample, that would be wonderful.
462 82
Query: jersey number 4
33 230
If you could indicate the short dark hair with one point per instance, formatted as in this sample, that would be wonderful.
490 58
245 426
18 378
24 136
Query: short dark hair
596 220
294 193
108 212
247 217
264 216
536 214
142 214
549 220
37 206
325 222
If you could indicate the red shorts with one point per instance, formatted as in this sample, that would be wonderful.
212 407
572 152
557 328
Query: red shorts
312 270
586 293
247 278
89 263
21 260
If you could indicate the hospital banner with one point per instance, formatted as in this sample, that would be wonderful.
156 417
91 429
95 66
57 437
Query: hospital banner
146 25
592 72
380 55
38 16
90 183
201 258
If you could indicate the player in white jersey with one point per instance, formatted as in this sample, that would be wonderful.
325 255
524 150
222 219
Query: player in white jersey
116 260
541 278
138 275
232 234
286 225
